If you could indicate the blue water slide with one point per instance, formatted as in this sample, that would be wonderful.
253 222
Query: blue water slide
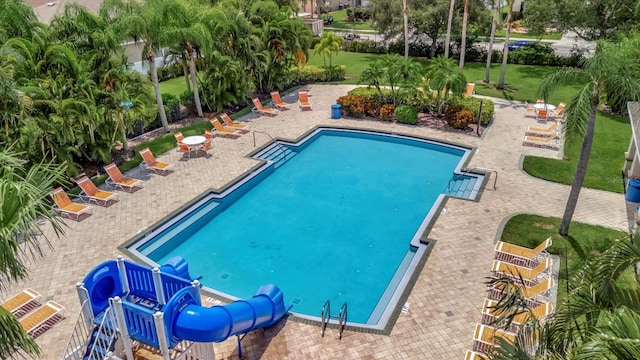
185 319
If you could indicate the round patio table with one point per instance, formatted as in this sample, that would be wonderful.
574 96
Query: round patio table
544 106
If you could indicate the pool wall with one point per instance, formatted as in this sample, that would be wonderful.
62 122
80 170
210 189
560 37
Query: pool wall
420 243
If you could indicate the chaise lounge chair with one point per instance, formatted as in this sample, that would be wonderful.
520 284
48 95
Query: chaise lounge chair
469 90
522 256
42 319
228 122
541 132
485 337
551 142
528 276
535 295
224 131
263 110
68 207
91 193
277 101
119 181
472 355
150 163
491 314
22 303
303 99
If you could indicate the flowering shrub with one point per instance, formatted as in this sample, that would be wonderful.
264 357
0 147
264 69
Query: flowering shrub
459 117
358 106
386 112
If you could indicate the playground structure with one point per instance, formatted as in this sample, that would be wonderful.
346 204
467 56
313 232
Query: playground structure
127 305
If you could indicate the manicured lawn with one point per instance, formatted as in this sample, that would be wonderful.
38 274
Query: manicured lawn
340 22
355 63
586 241
611 140
175 86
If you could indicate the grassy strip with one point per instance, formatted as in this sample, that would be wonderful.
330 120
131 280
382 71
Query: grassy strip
585 242
340 22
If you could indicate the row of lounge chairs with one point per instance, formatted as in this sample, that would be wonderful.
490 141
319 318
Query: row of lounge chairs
530 271
34 317
548 138
276 100
92 194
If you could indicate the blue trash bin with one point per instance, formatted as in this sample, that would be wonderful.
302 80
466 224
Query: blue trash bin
633 191
336 111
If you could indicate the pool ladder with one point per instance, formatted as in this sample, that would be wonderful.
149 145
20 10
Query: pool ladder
326 317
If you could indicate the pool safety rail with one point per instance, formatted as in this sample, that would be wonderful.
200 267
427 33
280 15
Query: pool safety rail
280 146
326 318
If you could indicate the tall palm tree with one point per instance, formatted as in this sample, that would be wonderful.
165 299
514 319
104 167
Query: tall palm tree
496 12
149 21
505 51
328 45
463 42
612 68
405 20
25 202
449 23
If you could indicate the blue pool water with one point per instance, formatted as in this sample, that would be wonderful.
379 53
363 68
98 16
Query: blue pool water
335 222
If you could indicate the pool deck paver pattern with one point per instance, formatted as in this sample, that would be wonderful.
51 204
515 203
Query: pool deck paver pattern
445 302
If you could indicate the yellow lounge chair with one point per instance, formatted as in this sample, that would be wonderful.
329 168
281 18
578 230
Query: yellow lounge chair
150 163
178 136
530 277
228 122
224 131
534 295
470 89
119 181
484 338
68 207
472 355
263 110
521 255
42 319
541 132
22 303
91 193
550 142
277 101
303 99
490 314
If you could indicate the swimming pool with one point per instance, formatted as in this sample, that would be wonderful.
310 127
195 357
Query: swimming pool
335 216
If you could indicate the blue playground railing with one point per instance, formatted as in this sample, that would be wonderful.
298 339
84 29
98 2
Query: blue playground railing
140 323
140 281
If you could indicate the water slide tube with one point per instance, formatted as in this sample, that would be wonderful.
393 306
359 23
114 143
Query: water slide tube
185 319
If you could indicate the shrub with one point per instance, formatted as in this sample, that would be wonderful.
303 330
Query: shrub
473 104
373 94
311 74
171 107
406 114
462 119
358 106
386 112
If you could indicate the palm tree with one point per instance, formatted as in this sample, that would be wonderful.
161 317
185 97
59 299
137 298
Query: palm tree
496 12
328 45
149 21
444 77
463 42
25 202
373 76
505 51
448 37
405 18
611 69
17 20
14 103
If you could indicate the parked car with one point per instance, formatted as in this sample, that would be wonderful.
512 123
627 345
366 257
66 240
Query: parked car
351 36
328 20
520 44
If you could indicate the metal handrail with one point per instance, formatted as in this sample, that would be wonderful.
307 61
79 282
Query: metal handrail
107 327
342 319
280 146
468 171
79 337
325 317
495 180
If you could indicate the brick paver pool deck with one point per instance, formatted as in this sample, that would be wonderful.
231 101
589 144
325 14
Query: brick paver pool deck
446 300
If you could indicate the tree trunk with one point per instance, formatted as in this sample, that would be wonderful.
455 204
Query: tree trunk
151 58
496 12
125 143
405 17
194 80
505 52
581 171
463 43
185 71
434 45
448 37
319 3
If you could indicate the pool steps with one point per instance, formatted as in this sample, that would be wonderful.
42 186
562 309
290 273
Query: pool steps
463 186
278 154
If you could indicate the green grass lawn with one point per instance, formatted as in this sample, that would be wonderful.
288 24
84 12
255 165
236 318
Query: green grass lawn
611 140
175 86
585 241
340 22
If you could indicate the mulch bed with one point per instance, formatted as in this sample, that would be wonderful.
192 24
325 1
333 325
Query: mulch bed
435 122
